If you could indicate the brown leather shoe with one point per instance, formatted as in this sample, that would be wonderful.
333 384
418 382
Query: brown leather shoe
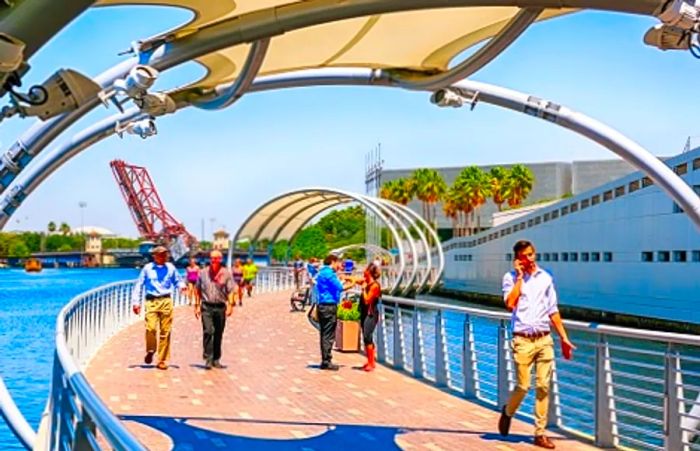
544 442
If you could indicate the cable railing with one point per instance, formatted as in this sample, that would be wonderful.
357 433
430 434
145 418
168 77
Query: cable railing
76 418
625 388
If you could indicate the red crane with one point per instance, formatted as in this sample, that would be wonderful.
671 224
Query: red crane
152 219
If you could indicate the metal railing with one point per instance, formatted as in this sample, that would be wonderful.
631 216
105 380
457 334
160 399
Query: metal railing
625 388
76 418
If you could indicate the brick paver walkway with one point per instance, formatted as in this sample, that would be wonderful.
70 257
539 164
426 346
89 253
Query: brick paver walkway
272 395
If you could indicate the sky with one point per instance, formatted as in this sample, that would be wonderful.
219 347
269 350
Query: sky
213 169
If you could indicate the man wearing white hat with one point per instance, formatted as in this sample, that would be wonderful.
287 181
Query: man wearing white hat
157 283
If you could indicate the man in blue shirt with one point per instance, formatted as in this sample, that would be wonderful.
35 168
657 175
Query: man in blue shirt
157 281
328 292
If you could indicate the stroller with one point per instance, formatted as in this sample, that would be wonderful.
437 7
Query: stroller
300 298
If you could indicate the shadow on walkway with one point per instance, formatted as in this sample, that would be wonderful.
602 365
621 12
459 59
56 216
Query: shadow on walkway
187 436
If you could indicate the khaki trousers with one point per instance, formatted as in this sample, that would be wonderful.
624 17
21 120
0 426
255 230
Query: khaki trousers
526 352
159 316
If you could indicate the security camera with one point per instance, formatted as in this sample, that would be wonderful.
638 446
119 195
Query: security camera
137 82
156 104
64 91
11 53
446 97
667 37
143 128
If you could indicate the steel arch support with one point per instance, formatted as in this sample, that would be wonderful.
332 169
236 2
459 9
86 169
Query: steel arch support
409 238
266 23
426 245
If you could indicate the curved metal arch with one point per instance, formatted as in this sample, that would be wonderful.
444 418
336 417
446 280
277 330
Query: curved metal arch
227 95
422 236
266 23
351 197
332 203
373 247
409 238
438 246
267 222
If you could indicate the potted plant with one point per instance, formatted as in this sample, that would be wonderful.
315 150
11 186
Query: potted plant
347 331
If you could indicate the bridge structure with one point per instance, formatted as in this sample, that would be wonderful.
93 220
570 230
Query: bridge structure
624 395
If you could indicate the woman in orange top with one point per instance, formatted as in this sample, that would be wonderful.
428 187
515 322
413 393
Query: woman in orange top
369 311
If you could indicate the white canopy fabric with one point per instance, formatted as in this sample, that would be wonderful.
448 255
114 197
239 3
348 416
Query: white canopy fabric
424 41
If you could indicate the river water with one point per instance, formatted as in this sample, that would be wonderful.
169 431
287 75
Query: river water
29 304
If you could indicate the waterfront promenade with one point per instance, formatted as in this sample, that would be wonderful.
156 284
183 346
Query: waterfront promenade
271 395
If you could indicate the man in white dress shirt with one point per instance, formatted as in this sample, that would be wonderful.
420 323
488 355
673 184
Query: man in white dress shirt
529 293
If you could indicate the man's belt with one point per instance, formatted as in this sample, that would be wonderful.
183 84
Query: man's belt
531 334
153 297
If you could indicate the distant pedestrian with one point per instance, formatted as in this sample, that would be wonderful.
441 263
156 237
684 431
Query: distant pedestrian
191 274
157 281
529 293
348 266
237 274
216 296
328 291
298 272
250 270
369 312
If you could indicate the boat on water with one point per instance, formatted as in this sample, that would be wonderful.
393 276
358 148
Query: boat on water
32 265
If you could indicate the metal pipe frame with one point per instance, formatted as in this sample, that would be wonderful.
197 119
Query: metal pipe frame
494 47
227 95
166 51
373 247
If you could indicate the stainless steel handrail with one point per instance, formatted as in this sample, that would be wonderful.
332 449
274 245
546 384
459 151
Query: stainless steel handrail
467 350
75 413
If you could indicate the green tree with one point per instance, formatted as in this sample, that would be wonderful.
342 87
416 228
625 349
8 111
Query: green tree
51 227
450 208
429 188
401 190
18 249
499 185
65 248
65 228
519 185
309 243
280 250
473 188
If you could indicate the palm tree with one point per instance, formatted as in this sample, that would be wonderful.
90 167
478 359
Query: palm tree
499 185
65 228
474 186
450 207
399 190
51 227
429 189
519 185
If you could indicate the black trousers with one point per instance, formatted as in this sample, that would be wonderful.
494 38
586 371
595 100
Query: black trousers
327 319
213 323
369 323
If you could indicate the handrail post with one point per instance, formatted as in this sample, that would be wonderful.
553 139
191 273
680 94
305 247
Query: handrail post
503 367
440 354
381 334
605 418
469 369
417 348
554 411
674 436
82 429
398 343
